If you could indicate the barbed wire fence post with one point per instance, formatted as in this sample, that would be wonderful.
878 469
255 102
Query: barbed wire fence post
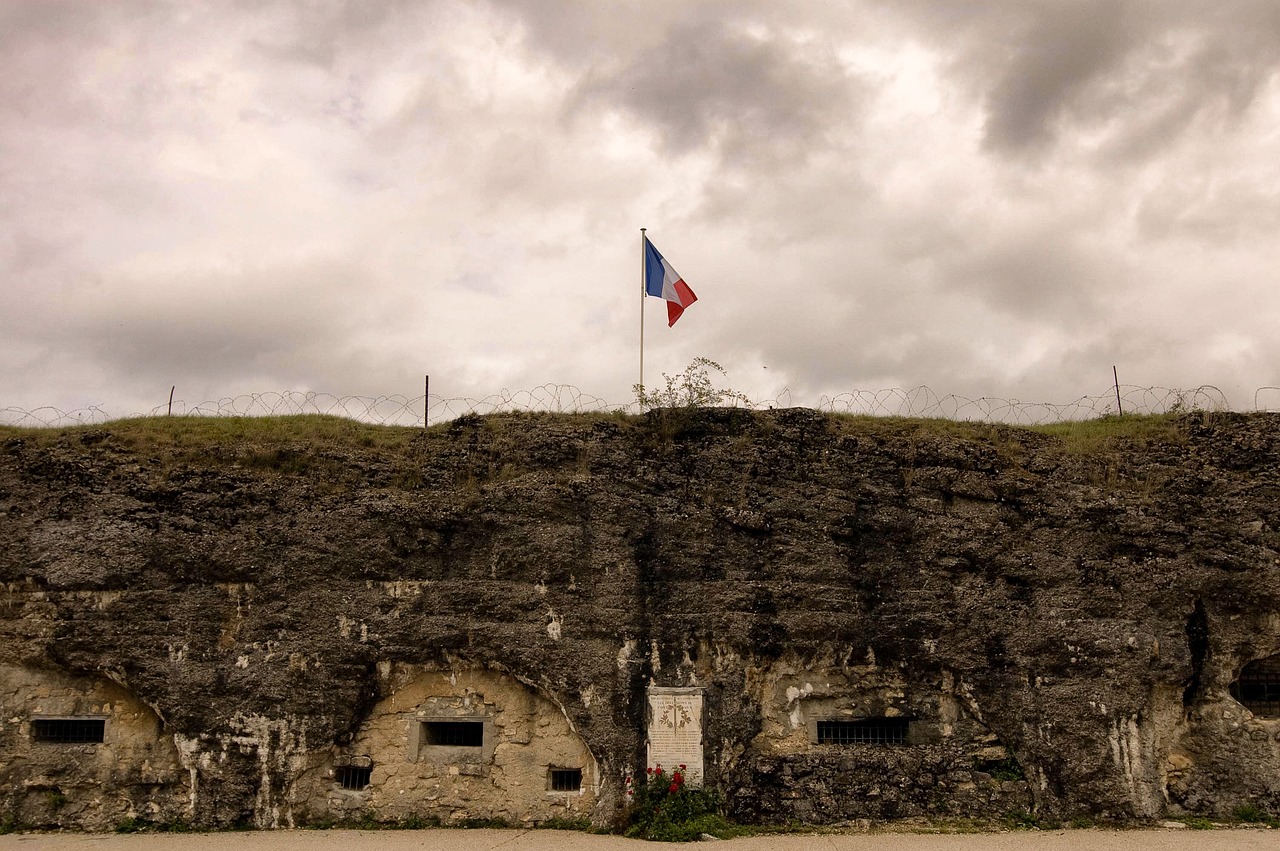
919 401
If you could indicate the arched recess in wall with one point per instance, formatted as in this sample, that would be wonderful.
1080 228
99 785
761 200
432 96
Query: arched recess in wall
79 751
458 745
835 726
1258 687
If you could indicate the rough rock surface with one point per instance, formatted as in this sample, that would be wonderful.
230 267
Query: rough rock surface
1061 623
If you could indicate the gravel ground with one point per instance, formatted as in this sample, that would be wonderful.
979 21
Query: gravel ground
551 840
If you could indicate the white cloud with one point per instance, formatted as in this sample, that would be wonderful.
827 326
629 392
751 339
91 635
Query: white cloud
1001 200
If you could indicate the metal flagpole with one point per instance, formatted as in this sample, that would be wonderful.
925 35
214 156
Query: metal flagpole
642 295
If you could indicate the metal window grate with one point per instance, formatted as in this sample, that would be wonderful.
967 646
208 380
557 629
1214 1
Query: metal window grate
69 731
465 734
1259 687
566 779
353 777
864 731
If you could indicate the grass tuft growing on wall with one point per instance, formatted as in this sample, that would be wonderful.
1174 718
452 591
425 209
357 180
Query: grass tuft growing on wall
1087 437
314 444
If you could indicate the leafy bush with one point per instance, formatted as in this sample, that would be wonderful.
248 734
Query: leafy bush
1021 819
1251 814
664 809
692 388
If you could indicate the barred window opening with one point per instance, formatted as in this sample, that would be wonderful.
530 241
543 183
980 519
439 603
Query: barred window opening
566 779
1258 687
69 731
465 734
864 731
353 777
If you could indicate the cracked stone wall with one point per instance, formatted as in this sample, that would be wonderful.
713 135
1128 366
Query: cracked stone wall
944 767
1061 620
507 776
133 773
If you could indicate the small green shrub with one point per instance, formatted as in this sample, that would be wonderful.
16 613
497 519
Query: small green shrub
1251 814
664 809
1021 819
134 824
1198 823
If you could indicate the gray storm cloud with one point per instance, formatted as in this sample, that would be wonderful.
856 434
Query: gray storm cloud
998 199
707 85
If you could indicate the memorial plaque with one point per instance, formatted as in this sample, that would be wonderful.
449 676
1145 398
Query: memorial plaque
675 731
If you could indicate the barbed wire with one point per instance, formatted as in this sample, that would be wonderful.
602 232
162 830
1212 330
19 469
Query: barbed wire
923 402
919 401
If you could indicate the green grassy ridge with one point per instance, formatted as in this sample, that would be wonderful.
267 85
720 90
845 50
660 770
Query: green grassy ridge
184 434
196 431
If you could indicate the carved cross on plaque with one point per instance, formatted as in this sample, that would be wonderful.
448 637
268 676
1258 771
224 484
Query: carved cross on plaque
675 731
675 716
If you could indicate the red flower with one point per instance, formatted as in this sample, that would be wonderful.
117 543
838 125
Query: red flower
674 787
682 766
648 771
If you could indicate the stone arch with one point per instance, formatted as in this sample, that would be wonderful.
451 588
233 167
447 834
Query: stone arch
459 745
81 751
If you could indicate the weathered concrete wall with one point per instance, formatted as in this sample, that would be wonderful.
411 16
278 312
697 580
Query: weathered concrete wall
133 773
507 777
1062 624
938 771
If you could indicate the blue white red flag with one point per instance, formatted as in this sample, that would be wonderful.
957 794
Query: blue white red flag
661 281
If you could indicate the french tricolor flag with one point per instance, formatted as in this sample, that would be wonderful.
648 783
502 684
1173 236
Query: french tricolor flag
661 281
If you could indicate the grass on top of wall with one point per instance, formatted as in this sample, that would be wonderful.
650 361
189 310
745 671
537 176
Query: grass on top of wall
179 436
1078 437
195 432
1086 436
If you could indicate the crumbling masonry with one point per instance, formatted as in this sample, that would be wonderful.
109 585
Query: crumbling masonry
854 619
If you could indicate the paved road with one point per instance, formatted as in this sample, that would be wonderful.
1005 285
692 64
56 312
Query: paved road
555 840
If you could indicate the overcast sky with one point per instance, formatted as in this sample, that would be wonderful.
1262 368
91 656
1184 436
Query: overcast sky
996 198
